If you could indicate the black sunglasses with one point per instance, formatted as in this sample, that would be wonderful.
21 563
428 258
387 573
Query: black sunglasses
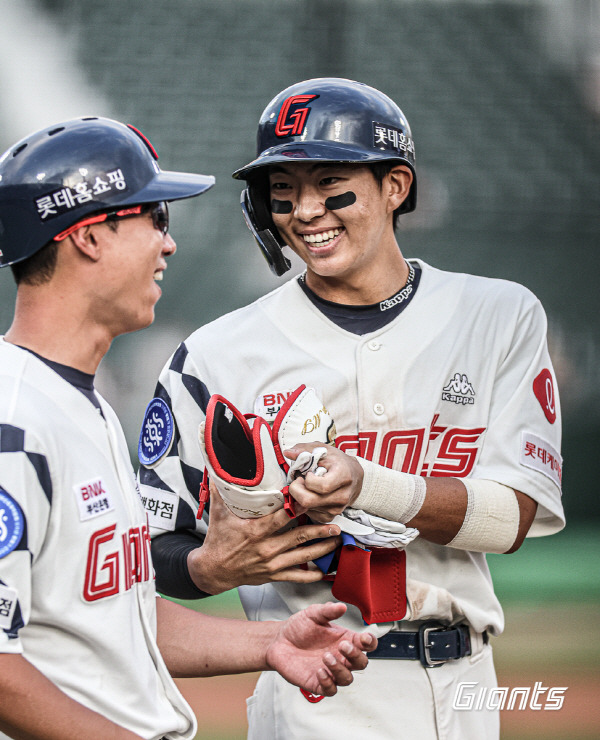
159 212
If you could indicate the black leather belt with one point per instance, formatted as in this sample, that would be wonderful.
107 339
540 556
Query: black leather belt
433 644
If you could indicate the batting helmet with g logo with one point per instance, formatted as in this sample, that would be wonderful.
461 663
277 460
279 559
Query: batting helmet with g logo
321 120
56 176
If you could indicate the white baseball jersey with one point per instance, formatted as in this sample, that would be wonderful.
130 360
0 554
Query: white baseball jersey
459 384
77 594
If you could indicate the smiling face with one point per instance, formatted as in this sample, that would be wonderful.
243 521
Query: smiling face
339 220
133 263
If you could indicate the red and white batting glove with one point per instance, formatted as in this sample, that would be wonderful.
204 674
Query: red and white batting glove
244 458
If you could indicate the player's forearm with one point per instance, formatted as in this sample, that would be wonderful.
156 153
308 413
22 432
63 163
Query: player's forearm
442 513
206 572
434 506
170 553
195 644
490 517
33 708
470 514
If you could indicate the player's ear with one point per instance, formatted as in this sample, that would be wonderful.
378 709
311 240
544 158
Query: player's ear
397 184
84 240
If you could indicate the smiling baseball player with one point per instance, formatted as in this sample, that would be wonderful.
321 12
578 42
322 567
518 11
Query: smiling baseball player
447 415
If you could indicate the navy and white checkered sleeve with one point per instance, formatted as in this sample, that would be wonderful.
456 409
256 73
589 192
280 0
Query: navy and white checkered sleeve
171 464
25 501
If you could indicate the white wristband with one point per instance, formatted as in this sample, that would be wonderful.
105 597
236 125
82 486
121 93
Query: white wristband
390 494
492 519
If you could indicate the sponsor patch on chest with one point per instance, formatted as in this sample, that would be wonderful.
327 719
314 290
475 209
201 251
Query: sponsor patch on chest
93 499
267 405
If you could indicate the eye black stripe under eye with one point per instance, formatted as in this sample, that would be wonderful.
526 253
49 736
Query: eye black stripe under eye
340 201
281 206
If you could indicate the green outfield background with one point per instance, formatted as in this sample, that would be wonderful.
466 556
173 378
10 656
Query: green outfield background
550 591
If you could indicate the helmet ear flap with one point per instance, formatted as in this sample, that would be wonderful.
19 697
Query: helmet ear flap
258 219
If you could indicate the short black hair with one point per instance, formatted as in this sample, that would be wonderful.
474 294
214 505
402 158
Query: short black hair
380 170
39 267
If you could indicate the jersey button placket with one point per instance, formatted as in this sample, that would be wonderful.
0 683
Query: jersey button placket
374 345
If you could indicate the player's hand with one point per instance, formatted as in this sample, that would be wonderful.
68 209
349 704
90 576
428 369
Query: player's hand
316 655
325 496
253 551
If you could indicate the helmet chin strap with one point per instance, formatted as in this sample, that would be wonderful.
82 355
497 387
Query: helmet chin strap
266 235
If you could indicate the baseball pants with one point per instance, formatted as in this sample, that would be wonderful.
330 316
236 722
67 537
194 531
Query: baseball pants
389 700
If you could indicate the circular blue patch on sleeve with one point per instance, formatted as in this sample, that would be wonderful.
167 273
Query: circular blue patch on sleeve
12 523
157 432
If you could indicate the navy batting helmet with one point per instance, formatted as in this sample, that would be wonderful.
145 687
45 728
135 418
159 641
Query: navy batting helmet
322 120
56 176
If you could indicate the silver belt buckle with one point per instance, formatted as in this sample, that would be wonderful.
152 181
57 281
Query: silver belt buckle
425 647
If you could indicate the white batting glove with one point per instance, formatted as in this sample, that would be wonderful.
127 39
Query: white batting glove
384 533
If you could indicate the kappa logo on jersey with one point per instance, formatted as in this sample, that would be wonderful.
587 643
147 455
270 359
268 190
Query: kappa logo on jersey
292 118
92 499
157 433
12 523
114 564
543 387
459 390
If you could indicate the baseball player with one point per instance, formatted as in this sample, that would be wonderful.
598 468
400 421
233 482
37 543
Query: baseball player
447 416
86 648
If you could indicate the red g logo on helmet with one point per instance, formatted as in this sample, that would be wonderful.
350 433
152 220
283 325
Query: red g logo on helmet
291 119
543 387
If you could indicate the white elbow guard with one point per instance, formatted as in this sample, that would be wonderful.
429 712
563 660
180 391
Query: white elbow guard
492 518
